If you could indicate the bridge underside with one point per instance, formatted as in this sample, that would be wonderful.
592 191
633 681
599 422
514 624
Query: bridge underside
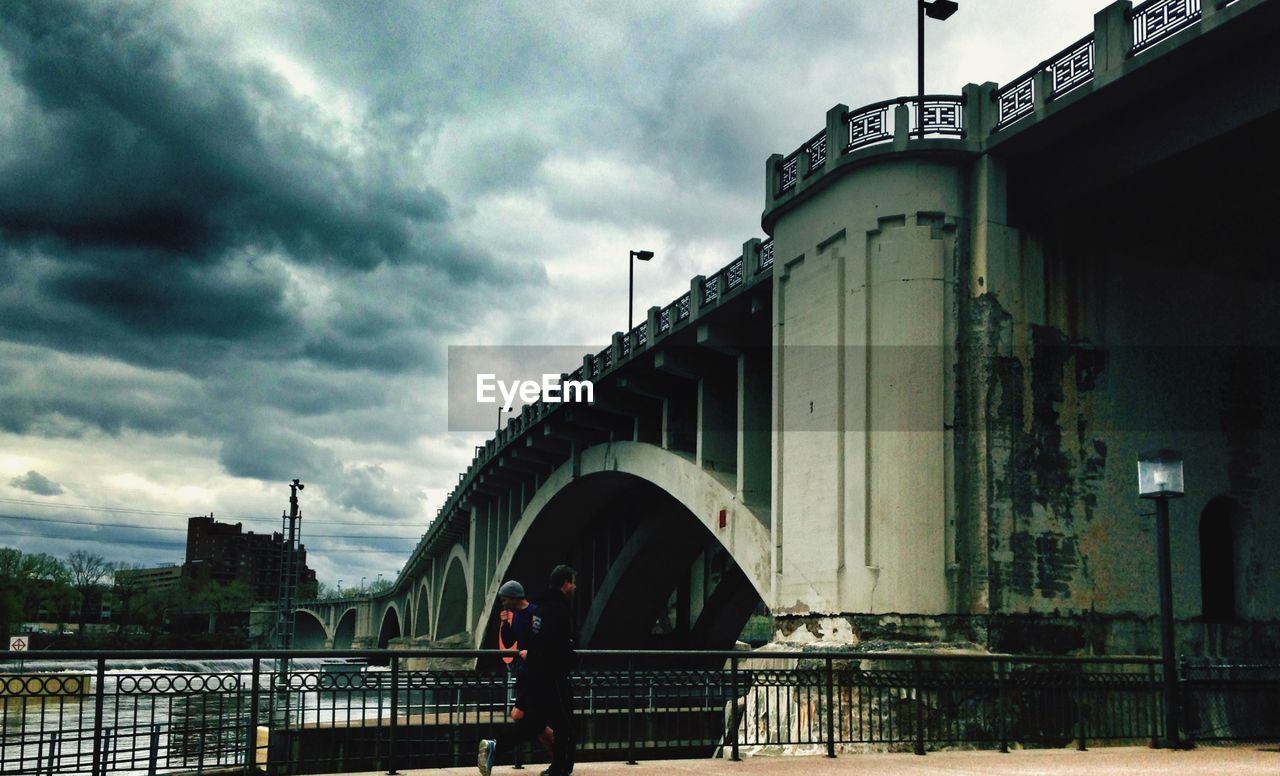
651 576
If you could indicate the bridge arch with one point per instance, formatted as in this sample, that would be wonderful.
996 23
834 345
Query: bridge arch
390 625
422 611
676 506
309 631
344 633
406 606
451 613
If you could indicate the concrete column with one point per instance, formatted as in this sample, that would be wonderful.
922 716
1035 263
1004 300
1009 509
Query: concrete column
837 135
615 346
863 334
1112 39
751 254
717 416
695 297
753 427
979 112
680 420
476 538
697 587
1041 90
772 179
901 126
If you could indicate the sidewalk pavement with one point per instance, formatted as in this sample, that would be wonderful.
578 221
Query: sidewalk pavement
1103 761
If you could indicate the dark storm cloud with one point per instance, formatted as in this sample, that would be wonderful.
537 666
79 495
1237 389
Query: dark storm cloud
35 482
157 194
148 297
136 135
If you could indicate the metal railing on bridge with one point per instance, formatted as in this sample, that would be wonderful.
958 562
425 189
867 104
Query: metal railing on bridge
311 712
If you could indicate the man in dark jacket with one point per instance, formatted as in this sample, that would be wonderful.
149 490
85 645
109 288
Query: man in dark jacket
551 659
533 704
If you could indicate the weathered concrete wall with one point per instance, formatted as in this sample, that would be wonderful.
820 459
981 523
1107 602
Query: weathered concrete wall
1093 333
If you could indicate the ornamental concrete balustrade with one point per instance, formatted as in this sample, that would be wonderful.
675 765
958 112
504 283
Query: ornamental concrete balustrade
983 115
912 411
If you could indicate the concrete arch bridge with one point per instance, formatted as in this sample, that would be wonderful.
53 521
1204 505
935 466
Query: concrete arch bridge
912 412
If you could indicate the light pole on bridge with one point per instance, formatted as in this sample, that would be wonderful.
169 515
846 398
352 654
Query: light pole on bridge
936 9
631 286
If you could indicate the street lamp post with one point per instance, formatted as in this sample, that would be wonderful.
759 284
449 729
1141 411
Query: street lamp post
339 588
501 410
362 579
1160 479
940 10
631 287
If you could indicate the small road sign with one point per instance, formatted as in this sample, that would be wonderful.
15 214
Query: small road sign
17 644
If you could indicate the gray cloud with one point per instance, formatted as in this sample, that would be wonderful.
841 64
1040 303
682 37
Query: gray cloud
35 482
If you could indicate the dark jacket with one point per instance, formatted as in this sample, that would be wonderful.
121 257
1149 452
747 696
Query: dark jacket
551 655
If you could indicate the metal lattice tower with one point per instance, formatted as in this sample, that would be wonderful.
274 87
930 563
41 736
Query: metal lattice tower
291 530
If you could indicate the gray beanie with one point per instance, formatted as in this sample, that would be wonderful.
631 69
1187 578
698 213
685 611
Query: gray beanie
511 589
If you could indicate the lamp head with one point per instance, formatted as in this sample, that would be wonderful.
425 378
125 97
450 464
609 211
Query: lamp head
642 255
1160 474
940 9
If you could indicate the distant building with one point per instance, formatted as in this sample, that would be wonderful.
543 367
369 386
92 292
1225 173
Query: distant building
159 579
224 553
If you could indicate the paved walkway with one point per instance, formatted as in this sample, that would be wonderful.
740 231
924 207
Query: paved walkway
1104 761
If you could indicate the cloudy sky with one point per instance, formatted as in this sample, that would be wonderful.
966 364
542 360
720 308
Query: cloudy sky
237 239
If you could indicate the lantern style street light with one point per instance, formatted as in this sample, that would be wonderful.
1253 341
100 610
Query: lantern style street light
936 9
631 287
1160 479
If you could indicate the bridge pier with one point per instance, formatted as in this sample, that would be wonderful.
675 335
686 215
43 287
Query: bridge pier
864 321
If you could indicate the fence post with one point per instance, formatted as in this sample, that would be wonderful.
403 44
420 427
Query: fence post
251 727
631 710
1155 704
48 764
733 707
1080 718
395 698
1002 702
98 699
154 757
919 682
1184 693
831 716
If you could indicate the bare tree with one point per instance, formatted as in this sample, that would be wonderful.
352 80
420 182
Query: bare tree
87 571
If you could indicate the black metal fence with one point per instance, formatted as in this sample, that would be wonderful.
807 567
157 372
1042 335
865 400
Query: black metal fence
306 712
